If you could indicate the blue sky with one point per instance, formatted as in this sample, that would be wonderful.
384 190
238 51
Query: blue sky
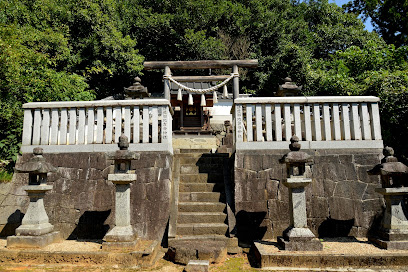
368 25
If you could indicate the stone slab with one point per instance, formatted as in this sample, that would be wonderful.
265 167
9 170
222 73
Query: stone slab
120 246
37 188
145 256
120 234
33 241
266 258
364 144
392 245
197 266
297 182
392 191
142 147
34 230
300 245
122 178
183 251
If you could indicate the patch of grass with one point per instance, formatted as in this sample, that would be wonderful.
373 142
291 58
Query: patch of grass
236 263
5 176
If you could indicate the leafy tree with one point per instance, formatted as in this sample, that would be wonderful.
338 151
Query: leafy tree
27 70
389 18
86 49
374 69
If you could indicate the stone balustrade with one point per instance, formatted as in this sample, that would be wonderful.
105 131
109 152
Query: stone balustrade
95 126
327 122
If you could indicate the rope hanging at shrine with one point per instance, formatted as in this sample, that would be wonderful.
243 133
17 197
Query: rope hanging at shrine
201 91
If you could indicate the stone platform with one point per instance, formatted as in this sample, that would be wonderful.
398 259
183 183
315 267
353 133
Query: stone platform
338 255
147 253
182 251
347 253
386 244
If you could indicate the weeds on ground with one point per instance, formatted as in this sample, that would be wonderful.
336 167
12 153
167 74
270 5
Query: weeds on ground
5 176
235 263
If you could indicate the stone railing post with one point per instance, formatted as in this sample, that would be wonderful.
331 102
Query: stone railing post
393 232
167 72
235 82
298 237
35 230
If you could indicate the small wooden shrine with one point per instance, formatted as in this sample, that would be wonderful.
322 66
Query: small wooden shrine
191 96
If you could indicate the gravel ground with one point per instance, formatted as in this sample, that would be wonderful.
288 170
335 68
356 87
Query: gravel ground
67 245
346 245
341 245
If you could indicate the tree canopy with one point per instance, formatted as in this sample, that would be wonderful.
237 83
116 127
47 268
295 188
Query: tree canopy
389 17
85 49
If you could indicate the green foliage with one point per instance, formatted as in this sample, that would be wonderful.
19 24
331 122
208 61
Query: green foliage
54 50
388 16
59 50
375 69
5 176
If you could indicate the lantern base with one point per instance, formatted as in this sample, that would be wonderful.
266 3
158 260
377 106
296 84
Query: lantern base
33 241
299 239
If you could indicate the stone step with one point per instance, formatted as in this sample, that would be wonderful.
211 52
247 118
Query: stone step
201 197
202 229
195 150
203 168
201 207
201 187
201 217
201 160
266 258
230 242
202 178
184 251
196 153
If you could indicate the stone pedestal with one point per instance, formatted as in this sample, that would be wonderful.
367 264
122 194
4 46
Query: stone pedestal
298 237
393 233
122 236
35 230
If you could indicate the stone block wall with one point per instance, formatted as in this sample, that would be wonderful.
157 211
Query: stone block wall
81 203
341 199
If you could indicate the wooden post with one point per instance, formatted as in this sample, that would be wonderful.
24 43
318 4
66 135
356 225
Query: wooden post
181 115
235 82
167 72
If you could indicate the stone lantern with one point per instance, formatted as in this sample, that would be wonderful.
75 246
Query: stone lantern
137 90
289 88
35 229
393 232
298 237
122 236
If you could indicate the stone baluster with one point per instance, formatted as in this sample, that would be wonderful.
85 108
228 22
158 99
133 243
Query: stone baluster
298 237
122 236
393 232
35 230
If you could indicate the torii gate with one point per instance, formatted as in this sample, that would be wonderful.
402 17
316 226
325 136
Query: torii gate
168 66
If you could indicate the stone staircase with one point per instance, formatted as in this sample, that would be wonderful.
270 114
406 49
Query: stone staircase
201 195
201 213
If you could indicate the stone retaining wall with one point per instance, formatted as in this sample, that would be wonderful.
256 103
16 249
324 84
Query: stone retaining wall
341 200
81 205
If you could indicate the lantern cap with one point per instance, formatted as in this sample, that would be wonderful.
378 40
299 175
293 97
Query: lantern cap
137 90
390 166
36 165
295 156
